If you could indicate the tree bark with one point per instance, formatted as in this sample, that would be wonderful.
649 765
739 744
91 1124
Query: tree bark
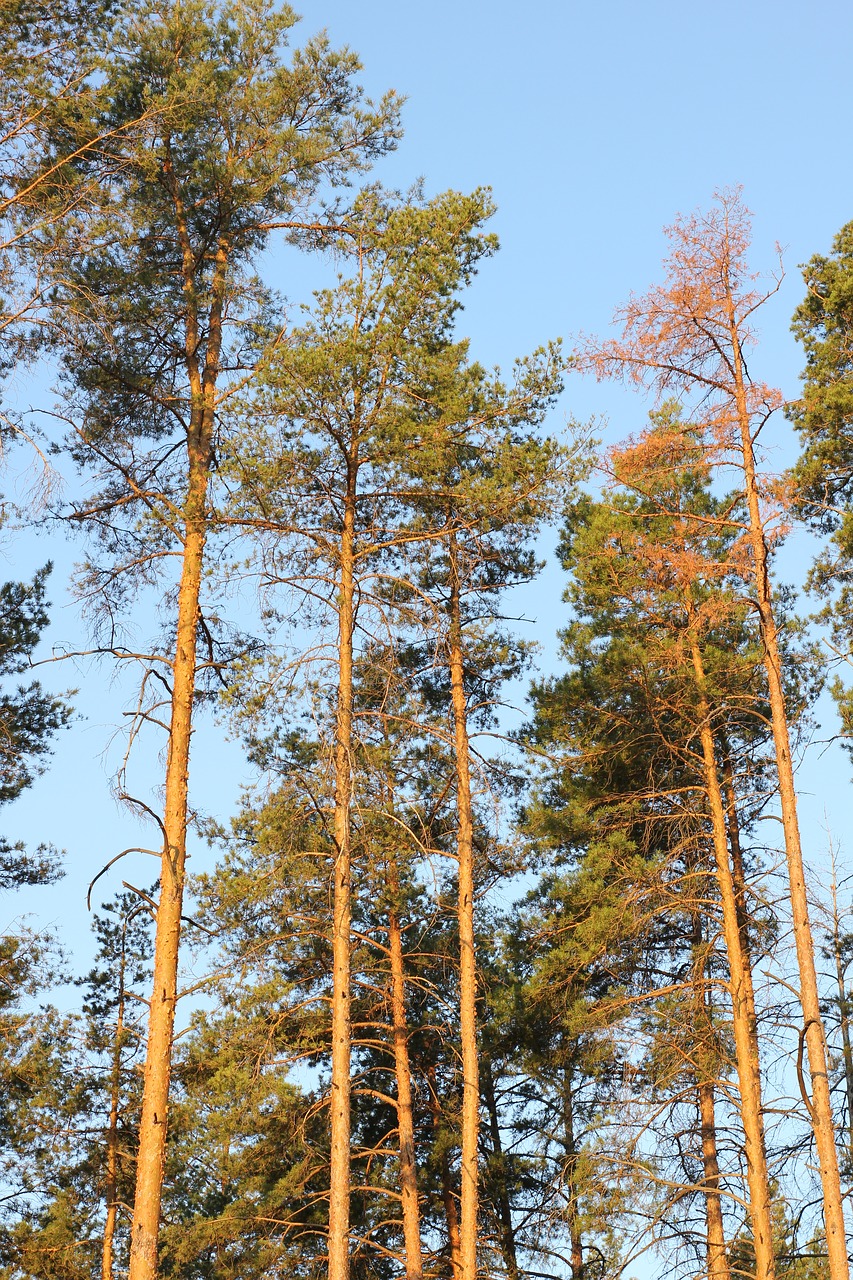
570 1146
743 998
451 1216
340 1103
820 1107
733 831
718 1263
158 1061
405 1122
843 1006
111 1187
499 1171
465 912
717 1260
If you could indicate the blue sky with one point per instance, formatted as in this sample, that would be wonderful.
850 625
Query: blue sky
594 125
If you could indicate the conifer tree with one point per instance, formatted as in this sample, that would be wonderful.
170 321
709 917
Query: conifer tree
115 1033
553 1032
212 140
486 484
667 689
319 474
823 417
48 89
73 1092
688 338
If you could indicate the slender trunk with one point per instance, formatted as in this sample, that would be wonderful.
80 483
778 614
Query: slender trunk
743 999
451 1216
467 960
820 1107
161 1021
499 1176
111 1189
339 1174
405 1123
718 1265
733 832
843 1006
846 1049
570 1147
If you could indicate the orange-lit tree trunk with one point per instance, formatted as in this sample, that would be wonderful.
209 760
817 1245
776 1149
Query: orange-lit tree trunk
402 1069
340 1118
718 1263
733 829
706 1075
742 995
158 1060
465 917
448 1199
814 1032
111 1181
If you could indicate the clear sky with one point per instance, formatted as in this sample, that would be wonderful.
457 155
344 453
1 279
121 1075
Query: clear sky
594 125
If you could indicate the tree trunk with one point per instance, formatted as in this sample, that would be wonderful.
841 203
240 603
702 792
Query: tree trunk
570 1147
111 1188
733 832
718 1265
339 1173
843 1006
158 1061
405 1123
820 1107
743 999
161 1021
499 1176
465 909
451 1216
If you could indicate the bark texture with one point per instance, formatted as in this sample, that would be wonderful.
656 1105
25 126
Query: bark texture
498 1173
340 1102
820 1106
744 1025
716 1256
465 912
405 1122
202 379
111 1181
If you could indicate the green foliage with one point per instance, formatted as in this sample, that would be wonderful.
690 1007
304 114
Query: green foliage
824 415
29 717
66 1075
211 136
823 476
627 933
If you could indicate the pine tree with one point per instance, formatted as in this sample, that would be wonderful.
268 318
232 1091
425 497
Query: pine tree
823 418
688 338
211 141
317 473
665 699
487 484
